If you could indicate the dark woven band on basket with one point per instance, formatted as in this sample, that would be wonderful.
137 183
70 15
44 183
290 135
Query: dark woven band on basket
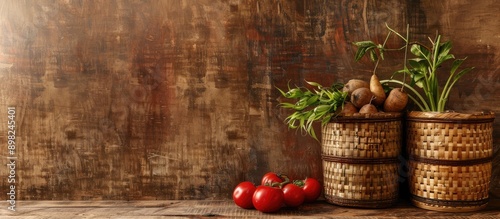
451 162
353 160
362 203
451 203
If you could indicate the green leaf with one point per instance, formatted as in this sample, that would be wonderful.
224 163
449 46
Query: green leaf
420 61
281 92
321 109
367 43
322 99
461 73
415 50
310 119
287 105
333 107
337 86
420 51
442 59
312 100
360 53
443 53
294 93
417 63
292 119
330 95
315 84
312 134
444 48
456 64
418 77
402 71
326 119
303 118
363 48
373 56
381 51
307 93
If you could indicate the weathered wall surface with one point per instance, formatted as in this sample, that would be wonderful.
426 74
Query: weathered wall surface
132 99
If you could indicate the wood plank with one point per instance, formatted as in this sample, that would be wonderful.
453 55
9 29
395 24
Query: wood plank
224 208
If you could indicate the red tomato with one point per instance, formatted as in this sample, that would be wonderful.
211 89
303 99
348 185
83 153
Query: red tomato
243 193
312 189
267 199
270 178
293 195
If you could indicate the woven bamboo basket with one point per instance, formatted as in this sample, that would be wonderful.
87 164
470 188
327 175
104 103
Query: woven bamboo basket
360 160
450 160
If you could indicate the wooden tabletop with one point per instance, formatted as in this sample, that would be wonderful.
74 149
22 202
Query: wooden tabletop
220 209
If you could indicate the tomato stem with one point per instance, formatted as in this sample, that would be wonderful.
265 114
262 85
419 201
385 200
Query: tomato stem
280 185
299 183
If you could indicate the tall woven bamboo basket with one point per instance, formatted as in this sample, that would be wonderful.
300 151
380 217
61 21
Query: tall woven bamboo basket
450 160
360 160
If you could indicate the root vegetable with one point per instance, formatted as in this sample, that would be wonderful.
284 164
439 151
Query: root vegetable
354 84
368 108
377 90
396 100
349 108
361 97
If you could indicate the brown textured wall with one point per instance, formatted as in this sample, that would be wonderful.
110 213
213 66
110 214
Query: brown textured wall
132 99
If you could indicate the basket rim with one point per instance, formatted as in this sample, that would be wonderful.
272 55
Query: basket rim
367 117
451 117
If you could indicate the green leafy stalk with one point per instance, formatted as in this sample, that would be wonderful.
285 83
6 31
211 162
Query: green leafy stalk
311 106
451 82
423 70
